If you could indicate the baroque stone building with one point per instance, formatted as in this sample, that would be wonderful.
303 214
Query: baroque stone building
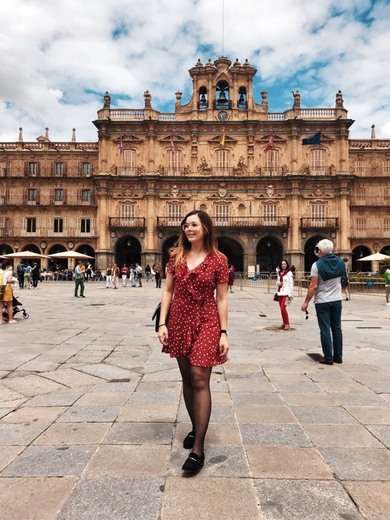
274 183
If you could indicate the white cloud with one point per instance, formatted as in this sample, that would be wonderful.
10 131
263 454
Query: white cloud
58 58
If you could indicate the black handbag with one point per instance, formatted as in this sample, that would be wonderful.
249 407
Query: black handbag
156 316
276 297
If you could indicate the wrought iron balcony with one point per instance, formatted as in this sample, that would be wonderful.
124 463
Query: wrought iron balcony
126 222
329 223
253 222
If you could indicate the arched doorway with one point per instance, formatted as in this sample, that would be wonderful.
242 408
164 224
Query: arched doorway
233 252
310 257
269 253
128 251
169 242
357 253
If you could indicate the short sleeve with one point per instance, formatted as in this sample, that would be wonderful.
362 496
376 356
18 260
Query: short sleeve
171 265
314 270
222 271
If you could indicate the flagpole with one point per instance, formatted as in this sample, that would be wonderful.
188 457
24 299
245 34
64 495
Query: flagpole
223 28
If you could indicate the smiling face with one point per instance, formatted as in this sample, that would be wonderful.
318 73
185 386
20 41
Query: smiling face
193 229
283 265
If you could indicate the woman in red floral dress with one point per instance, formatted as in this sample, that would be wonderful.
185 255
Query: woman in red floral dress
195 293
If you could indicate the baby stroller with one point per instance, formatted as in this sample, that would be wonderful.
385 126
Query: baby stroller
16 307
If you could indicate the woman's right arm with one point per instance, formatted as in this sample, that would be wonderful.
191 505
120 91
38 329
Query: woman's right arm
165 304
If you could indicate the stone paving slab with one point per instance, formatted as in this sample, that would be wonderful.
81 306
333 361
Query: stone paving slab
38 498
305 500
116 498
94 409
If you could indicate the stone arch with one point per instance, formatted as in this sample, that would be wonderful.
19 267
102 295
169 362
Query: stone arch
128 250
233 251
269 252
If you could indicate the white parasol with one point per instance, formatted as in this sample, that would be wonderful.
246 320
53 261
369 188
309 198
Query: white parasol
70 254
376 257
26 255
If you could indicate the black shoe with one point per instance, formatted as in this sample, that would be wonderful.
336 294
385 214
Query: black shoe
82 296
194 463
75 296
189 441
337 360
325 361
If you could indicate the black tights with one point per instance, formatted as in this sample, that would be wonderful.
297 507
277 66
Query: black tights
197 397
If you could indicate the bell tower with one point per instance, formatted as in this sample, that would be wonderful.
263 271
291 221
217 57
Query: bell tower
222 90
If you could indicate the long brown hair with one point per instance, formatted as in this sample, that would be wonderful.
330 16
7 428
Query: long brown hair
209 239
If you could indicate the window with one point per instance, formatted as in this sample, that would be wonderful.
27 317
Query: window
386 167
361 193
31 195
58 195
359 166
85 169
386 224
317 162
361 224
222 213
129 162
85 195
59 169
270 214
127 214
318 214
174 214
85 225
58 225
33 169
174 158
272 162
222 162
31 224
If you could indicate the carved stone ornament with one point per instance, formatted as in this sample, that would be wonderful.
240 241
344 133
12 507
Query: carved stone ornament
222 192
175 190
270 190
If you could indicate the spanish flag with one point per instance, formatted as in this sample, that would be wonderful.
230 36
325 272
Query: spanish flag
222 140
270 144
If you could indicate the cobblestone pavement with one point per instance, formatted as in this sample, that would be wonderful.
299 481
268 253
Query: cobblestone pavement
92 417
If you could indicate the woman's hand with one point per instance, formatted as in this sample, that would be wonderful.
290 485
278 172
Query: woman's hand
163 334
223 345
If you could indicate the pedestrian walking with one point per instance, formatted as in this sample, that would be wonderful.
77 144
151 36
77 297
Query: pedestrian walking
195 293
109 277
387 285
325 287
124 274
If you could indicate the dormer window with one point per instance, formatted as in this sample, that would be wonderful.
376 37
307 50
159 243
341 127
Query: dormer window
242 103
203 102
222 96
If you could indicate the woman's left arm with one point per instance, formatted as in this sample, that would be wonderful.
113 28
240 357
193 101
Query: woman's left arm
222 306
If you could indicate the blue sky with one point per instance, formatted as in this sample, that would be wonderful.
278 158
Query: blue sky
58 58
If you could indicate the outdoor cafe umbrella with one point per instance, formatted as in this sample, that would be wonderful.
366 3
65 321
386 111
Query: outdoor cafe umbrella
376 257
70 254
25 255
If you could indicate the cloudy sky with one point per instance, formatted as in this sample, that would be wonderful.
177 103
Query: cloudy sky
57 58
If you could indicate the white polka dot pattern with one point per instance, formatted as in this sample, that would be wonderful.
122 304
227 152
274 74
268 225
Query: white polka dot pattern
193 327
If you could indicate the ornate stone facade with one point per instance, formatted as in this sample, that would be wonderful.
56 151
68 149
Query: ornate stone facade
122 198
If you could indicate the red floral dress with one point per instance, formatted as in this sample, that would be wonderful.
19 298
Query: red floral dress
193 326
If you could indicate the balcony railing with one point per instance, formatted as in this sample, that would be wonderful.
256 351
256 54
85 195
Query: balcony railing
277 222
126 222
45 199
319 223
379 200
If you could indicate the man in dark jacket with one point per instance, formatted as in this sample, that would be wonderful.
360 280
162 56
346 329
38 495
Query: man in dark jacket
325 286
